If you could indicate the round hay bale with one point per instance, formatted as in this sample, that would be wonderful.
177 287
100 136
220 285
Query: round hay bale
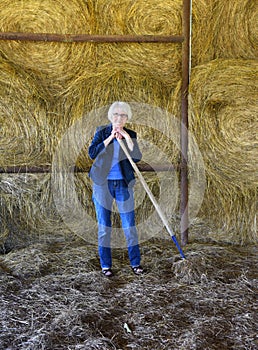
202 49
223 117
92 96
115 82
161 61
86 108
236 27
26 141
225 29
223 106
52 64
28 211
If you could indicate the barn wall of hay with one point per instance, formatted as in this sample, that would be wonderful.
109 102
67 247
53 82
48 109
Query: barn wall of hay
46 88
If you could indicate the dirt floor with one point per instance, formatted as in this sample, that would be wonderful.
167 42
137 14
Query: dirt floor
53 297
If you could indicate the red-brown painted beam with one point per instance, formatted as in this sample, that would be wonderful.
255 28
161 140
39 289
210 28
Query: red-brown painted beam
70 38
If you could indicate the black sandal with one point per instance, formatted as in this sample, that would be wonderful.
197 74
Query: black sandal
137 270
107 272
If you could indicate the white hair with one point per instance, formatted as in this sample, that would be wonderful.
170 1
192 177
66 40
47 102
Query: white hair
119 104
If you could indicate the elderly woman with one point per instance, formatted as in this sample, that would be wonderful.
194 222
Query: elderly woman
113 179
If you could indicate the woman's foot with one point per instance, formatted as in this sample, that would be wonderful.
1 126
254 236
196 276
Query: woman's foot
138 270
107 272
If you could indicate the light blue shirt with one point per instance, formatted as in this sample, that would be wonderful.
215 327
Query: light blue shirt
115 170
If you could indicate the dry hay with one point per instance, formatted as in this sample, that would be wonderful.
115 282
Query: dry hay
27 211
29 200
56 67
111 83
223 97
54 297
36 124
236 28
225 29
53 65
25 127
223 107
159 61
87 77
27 140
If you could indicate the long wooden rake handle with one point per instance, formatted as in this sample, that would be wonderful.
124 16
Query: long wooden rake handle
152 198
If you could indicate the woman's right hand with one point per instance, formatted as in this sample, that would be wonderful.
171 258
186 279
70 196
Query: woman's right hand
111 137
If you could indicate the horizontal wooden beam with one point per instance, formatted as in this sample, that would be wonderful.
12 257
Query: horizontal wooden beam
70 38
48 169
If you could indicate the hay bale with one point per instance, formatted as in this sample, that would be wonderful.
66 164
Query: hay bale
24 204
53 65
57 66
235 25
225 29
27 141
201 36
88 76
223 110
29 199
159 61
223 105
112 82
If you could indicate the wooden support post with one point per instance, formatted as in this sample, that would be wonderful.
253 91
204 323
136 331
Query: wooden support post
184 223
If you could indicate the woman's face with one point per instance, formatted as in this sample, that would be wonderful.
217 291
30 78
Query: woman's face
119 118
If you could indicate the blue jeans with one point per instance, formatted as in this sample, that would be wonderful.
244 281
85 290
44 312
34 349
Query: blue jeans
103 197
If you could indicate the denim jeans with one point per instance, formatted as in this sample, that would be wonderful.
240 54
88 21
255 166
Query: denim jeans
103 197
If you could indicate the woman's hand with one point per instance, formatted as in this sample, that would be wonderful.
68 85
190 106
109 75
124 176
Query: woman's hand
120 133
116 133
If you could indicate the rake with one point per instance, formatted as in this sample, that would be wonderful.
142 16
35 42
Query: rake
152 198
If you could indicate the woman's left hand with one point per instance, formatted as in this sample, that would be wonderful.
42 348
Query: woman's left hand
122 133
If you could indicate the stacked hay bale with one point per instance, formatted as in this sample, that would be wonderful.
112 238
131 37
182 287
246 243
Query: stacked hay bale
225 29
67 80
26 127
53 66
223 106
223 115
24 121
48 87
